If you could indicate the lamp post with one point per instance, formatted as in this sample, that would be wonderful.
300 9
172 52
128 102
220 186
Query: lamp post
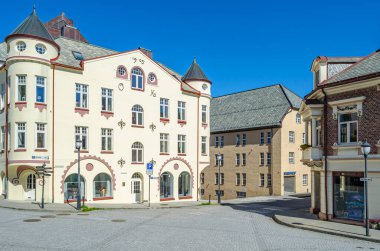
78 145
219 158
366 148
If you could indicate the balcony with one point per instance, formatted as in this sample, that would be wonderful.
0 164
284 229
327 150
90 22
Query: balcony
312 156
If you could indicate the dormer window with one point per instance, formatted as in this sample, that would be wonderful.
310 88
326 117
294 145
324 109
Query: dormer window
21 46
40 48
316 77
78 55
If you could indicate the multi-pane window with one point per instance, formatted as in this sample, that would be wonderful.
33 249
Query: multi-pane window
261 138
348 128
304 179
204 114
298 118
137 115
164 108
81 96
262 181
244 159
291 158
137 79
244 139
269 137
202 178
238 159
237 139
2 96
3 138
137 152
204 145
216 179
244 177
291 137
106 139
221 141
181 110
221 160
81 133
107 100
21 135
40 89
21 88
269 180
238 179
221 178
261 158
241 194
164 143
216 141
269 158
182 144
41 136
303 138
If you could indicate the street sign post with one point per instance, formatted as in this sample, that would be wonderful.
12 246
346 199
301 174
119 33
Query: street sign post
44 171
365 179
149 172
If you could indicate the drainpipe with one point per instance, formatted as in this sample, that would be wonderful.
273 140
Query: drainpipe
271 162
198 190
6 135
325 106
53 145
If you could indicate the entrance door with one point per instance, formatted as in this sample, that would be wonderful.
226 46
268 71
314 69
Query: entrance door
289 184
136 190
30 192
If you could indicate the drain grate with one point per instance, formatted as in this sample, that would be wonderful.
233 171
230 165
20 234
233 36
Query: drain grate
118 220
32 220
47 216
64 214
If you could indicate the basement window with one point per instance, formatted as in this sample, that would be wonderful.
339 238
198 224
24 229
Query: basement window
78 55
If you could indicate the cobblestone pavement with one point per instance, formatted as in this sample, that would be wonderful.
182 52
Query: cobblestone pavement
237 226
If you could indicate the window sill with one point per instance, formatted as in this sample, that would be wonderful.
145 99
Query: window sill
164 154
20 150
165 120
137 126
185 197
81 151
137 89
181 154
182 122
20 105
103 198
137 163
40 106
106 152
166 199
40 150
204 125
106 114
82 111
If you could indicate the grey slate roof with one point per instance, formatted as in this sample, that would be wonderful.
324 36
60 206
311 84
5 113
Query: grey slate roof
195 73
32 25
3 51
262 107
368 65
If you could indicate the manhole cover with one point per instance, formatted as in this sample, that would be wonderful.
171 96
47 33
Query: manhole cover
83 214
297 223
32 220
118 220
63 214
47 216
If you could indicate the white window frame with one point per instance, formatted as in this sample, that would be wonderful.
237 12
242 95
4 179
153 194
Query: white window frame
21 81
82 90
164 106
107 100
138 75
262 180
204 114
41 84
164 143
181 144
3 138
237 159
237 139
303 138
2 96
292 137
80 133
348 123
41 129
305 180
244 179
298 118
292 158
107 138
204 145
138 114
262 159
20 129
137 150
181 111
237 182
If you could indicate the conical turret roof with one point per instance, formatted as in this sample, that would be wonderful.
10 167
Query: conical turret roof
32 26
195 73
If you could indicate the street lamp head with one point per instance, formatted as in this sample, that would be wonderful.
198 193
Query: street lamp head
78 144
218 156
366 148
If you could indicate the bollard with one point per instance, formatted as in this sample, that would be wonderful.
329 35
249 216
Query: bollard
209 199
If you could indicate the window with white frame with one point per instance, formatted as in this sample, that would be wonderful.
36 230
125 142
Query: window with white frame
237 159
21 88
2 96
244 139
137 152
181 110
244 177
269 180
81 134
107 99
348 128
204 114
106 139
244 159
41 136
221 141
216 141
221 160
137 79
237 139
164 143
182 144
204 145
305 179
298 118
318 132
40 89
261 159
291 137
238 179
3 138
262 181
261 138
269 158
269 137
164 108
291 158
81 96
21 135
137 115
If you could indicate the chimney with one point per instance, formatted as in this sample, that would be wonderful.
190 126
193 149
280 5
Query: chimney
147 52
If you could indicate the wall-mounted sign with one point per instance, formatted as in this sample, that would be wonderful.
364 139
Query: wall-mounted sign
40 157
289 173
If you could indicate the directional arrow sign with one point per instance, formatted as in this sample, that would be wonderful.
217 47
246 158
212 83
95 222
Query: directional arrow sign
365 179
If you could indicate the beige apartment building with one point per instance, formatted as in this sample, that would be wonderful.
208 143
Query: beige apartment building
258 134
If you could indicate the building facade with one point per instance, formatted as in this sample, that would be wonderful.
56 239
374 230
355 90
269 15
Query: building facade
258 134
340 113
125 108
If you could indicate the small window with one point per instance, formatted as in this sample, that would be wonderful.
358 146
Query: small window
21 46
238 179
40 48
261 138
304 179
121 71
291 137
262 181
244 140
269 158
152 78
269 180
78 55
298 118
261 159
237 139
238 159
269 137
244 159
291 158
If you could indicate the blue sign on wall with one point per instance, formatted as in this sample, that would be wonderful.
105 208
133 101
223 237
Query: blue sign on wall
289 173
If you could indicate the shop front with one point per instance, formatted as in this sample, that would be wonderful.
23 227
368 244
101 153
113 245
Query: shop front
348 196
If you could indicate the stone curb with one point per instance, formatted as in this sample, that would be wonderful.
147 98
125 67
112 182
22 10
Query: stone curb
274 217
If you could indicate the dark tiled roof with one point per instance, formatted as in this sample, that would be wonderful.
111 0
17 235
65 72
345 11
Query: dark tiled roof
366 66
343 59
195 73
263 107
3 51
32 25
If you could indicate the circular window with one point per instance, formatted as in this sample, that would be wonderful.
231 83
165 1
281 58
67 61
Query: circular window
121 71
204 86
21 46
152 77
40 48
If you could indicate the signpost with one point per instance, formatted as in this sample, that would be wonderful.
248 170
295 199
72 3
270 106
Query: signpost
149 172
44 171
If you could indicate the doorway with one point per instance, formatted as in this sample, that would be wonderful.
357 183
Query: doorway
136 188
30 191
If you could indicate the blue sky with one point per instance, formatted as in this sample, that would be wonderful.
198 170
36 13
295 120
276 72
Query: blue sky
240 45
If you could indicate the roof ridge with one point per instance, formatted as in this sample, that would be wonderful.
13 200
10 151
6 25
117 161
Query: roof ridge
286 96
258 88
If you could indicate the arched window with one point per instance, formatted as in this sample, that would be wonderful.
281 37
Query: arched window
71 187
31 182
137 152
137 79
184 188
166 185
137 115
298 118
102 186
121 72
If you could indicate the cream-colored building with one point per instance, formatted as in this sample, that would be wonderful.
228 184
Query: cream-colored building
127 109
258 134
